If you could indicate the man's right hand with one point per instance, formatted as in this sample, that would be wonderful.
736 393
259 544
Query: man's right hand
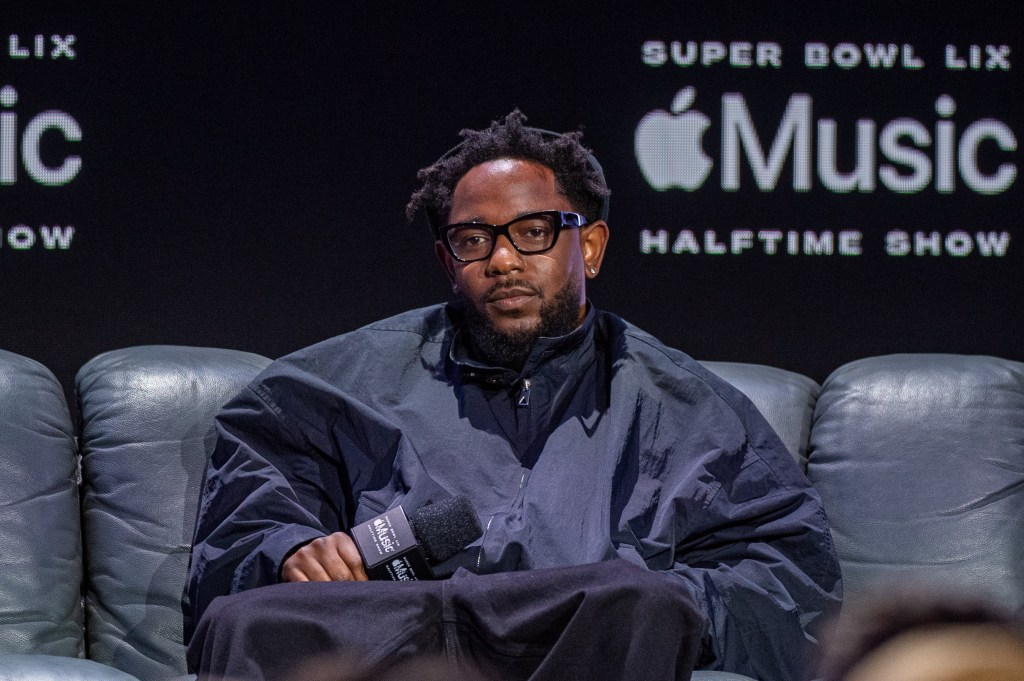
333 558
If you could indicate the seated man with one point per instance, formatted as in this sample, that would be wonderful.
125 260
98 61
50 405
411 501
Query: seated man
640 516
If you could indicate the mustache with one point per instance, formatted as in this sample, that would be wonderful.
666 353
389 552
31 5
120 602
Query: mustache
513 284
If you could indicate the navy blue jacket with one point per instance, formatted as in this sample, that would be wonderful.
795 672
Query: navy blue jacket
607 445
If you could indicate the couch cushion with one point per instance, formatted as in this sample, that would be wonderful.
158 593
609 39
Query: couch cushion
785 399
40 540
147 430
919 460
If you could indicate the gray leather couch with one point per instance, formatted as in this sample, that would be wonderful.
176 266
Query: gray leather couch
919 459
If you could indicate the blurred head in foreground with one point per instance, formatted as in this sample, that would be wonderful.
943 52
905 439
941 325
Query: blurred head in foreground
903 635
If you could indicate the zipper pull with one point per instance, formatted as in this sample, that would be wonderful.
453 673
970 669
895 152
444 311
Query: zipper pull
524 394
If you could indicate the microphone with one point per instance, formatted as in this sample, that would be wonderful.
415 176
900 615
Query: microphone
401 548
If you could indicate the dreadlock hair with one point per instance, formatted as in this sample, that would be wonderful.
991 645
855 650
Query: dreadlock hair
581 184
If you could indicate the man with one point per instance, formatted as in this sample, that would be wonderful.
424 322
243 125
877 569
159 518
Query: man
640 515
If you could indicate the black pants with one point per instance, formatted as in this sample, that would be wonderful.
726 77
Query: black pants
608 620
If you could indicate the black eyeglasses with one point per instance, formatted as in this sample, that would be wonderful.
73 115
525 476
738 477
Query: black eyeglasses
528 234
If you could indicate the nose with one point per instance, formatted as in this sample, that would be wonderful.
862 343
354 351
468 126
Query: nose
505 259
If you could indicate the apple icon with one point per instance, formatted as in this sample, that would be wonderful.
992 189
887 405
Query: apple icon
668 145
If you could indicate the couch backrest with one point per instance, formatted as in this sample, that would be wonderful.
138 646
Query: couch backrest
919 460
147 431
41 550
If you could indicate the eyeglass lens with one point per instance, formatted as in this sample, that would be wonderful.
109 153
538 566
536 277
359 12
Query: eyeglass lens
529 234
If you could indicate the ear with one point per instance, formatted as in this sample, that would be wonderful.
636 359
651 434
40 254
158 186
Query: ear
593 240
447 262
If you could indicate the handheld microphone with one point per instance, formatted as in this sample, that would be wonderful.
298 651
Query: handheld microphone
398 547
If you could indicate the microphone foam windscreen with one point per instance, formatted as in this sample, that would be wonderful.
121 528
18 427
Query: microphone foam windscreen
445 527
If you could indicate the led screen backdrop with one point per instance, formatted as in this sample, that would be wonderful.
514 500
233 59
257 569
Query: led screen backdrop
797 185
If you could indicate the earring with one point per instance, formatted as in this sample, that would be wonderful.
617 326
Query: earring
593 272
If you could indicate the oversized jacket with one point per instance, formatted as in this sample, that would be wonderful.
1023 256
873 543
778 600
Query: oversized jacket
608 444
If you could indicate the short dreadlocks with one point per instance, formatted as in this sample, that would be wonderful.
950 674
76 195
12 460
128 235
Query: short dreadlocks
581 184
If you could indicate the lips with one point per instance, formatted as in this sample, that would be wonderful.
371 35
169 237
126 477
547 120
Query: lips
506 293
511 297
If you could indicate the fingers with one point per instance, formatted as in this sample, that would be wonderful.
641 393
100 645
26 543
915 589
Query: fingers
331 558
346 548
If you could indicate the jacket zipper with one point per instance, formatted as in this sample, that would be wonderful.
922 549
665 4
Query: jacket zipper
490 521
524 394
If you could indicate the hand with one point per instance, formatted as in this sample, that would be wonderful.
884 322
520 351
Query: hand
333 558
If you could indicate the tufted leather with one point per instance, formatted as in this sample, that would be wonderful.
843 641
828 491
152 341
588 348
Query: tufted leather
40 546
147 417
785 399
920 462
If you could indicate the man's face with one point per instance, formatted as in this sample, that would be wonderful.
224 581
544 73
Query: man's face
515 294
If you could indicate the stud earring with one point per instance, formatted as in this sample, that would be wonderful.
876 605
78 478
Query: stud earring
592 271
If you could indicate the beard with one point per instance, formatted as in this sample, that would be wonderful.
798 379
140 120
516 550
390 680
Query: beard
559 316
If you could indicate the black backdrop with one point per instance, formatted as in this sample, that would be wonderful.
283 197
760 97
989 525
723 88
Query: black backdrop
244 168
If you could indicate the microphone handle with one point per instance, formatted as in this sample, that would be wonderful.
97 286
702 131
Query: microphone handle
389 548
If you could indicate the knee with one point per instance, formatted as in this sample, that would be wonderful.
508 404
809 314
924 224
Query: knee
238 611
655 593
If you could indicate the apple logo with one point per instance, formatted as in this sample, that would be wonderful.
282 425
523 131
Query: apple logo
668 148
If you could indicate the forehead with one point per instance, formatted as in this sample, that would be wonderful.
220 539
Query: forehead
500 190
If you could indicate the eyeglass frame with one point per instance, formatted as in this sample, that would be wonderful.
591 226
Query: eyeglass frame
502 230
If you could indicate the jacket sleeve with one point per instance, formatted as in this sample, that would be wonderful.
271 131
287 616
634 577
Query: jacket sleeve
269 488
764 570
725 507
